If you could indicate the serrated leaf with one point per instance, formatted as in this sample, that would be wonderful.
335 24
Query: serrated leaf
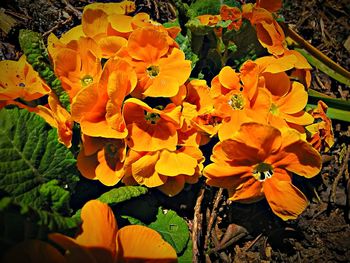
33 46
20 222
121 194
185 46
30 156
118 195
173 229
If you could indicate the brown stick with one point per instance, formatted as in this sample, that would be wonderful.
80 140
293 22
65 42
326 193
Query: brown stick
337 179
213 216
197 226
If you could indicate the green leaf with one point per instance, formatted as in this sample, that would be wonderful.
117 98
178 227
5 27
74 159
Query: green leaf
118 195
34 167
57 196
335 103
335 74
337 109
185 46
203 7
186 256
133 220
333 113
20 222
33 46
173 229
121 194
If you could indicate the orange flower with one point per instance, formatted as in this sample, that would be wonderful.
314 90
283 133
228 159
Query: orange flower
199 110
97 18
160 70
98 107
302 68
99 241
288 98
167 170
231 13
77 64
321 133
269 32
289 109
19 80
58 117
151 129
102 159
241 102
144 20
209 20
258 162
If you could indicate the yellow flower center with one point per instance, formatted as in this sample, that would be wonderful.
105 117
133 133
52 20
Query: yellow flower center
263 171
87 80
274 109
152 71
237 102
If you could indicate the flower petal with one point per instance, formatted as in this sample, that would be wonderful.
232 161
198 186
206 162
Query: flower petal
266 139
77 253
285 200
32 251
229 78
87 164
248 192
141 244
295 100
300 158
173 185
143 170
147 44
175 163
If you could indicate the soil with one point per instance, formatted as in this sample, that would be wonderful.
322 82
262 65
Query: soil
230 232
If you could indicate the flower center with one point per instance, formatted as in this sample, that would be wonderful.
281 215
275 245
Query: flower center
152 117
152 71
274 109
208 119
263 171
237 102
87 80
111 155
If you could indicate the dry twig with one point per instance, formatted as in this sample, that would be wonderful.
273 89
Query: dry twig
213 216
197 226
338 177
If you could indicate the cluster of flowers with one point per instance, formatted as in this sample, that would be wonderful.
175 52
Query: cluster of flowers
142 120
